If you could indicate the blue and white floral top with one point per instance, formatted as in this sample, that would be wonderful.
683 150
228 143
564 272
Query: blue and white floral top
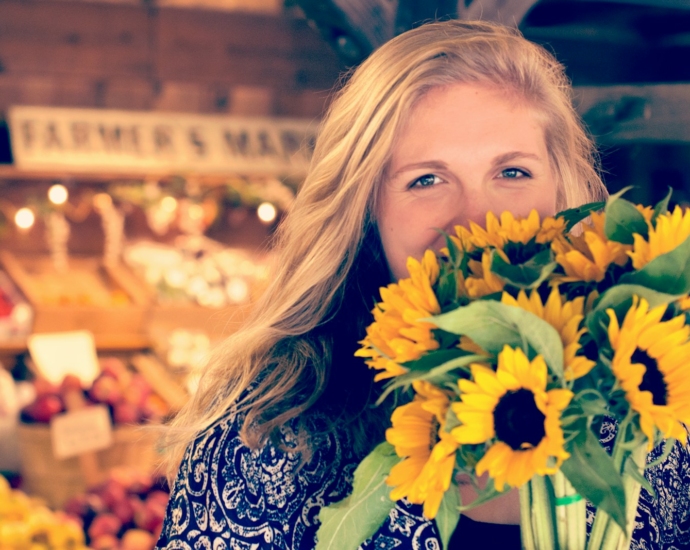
228 497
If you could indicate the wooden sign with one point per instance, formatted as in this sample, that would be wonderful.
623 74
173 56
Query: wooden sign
94 140
82 431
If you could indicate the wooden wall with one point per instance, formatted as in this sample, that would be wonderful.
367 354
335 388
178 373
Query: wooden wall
129 56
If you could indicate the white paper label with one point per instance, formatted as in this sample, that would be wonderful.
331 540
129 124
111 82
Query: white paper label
58 354
82 431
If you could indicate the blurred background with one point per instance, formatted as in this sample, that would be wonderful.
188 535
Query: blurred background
148 149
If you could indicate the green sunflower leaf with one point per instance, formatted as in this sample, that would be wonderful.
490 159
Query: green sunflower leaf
348 523
526 275
573 216
632 470
619 298
623 293
623 219
669 273
493 325
447 286
448 514
592 473
453 251
434 359
661 207
439 375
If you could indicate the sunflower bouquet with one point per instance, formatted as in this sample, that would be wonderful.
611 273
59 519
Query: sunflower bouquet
508 350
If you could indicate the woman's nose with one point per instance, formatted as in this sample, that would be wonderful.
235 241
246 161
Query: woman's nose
472 207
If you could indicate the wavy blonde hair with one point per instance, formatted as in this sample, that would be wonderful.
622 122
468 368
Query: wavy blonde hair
274 368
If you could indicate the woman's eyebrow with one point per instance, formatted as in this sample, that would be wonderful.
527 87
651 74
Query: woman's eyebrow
431 164
507 157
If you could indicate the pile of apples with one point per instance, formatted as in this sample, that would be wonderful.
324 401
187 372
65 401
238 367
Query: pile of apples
127 394
26 523
124 513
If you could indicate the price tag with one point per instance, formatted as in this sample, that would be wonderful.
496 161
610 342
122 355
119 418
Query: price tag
58 354
81 431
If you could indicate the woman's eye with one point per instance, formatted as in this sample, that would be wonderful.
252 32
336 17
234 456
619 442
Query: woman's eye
427 180
514 173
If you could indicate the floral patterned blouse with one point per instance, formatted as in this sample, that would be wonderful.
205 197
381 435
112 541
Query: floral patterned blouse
228 497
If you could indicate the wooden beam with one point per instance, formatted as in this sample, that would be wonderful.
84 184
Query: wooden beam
648 113
105 41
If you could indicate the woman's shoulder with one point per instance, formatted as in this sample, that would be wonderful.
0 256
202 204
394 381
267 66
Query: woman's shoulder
227 494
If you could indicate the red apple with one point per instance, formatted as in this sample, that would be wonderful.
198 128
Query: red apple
106 389
77 505
158 499
142 483
126 413
137 539
44 408
43 387
137 390
149 518
105 524
157 532
112 493
105 542
115 367
124 511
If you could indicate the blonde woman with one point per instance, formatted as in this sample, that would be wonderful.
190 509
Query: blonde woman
438 126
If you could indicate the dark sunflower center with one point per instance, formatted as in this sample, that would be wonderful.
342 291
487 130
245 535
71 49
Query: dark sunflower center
517 420
653 380
519 253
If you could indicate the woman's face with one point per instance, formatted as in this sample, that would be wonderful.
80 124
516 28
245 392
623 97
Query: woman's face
467 149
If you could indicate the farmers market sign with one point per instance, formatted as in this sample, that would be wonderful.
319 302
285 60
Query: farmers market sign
97 140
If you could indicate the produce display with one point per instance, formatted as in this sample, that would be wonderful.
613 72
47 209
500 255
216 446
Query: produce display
15 314
127 394
196 270
26 524
82 282
124 513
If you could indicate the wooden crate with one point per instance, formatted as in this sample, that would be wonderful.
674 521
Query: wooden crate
58 480
81 298
217 323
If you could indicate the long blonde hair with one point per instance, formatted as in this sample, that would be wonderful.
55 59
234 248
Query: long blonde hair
274 369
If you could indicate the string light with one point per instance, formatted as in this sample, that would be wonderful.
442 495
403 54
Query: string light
24 218
266 212
57 194
195 212
169 204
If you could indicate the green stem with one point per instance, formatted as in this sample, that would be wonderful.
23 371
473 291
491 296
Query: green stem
570 516
606 534
543 513
526 530
615 539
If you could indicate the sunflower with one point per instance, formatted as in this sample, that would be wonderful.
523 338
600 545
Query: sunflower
511 410
397 335
650 363
428 451
481 280
565 316
669 231
587 257
508 228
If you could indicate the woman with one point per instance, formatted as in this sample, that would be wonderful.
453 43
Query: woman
438 126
